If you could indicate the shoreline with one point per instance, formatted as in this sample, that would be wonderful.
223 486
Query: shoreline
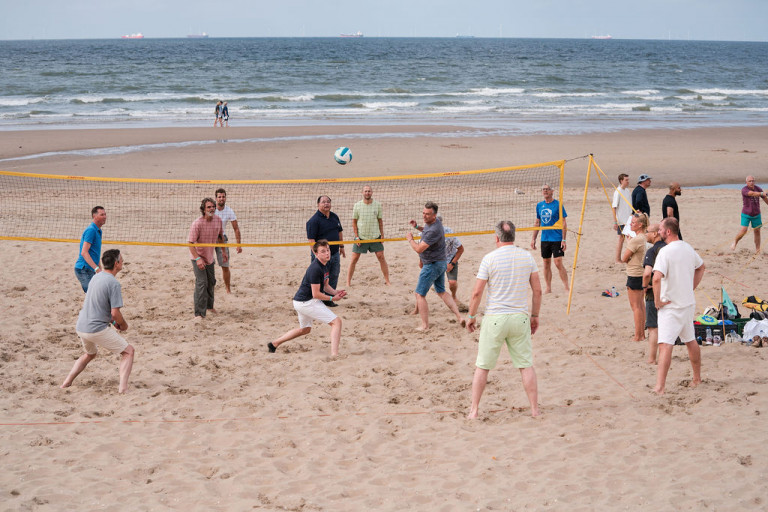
701 156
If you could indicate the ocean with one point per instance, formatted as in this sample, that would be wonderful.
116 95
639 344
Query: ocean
507 86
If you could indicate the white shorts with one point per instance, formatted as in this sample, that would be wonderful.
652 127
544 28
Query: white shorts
313 309
107 339
674 322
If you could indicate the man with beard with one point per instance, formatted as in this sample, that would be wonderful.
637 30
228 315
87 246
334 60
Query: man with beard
669 204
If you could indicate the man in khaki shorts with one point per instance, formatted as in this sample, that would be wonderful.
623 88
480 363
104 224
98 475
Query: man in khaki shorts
507 272
101 311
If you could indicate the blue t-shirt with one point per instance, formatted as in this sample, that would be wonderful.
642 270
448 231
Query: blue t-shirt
316 273
548 215
320 227
92 235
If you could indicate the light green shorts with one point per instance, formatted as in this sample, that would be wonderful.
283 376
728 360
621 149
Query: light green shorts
514 330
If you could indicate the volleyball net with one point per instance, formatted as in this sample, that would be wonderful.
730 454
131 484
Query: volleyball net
55 208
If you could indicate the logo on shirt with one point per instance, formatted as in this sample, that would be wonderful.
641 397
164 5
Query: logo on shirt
546 215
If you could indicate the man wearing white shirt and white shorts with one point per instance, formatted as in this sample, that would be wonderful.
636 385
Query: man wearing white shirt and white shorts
676 274
226 214
622 210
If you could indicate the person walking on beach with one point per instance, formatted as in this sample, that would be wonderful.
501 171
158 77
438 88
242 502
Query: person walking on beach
640 197
368 225
676 274
217 119
431 251
325 225
87 264
750 212
669 204
226 214
622 209
651 314
506 271
225 114
207 229
314 291
552 240
101 311
633 257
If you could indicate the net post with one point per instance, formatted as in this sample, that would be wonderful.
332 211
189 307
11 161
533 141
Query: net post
578 234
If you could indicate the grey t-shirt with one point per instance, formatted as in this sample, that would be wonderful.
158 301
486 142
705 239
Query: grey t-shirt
104 293
434 235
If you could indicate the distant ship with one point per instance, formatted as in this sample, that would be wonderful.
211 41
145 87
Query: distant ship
138 35
356 34
461 36
197 36
607 36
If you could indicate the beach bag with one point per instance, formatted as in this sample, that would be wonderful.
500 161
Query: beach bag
755 328
756 303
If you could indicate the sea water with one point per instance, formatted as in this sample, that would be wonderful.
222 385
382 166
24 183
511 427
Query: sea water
504 85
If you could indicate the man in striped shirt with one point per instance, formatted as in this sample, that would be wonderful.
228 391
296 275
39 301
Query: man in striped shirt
507 272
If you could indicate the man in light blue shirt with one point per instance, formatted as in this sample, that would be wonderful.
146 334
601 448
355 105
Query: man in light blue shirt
87 264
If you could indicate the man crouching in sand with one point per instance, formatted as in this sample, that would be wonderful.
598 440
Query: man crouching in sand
507 272
101 311
308 301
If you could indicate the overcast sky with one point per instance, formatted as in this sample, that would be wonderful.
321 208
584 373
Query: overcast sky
728 20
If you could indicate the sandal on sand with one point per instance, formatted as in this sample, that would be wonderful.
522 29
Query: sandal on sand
757 342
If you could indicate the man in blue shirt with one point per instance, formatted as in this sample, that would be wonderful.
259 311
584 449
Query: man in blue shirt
325 225
552 240
87 264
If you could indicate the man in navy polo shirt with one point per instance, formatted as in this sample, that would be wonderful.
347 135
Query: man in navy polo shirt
325 225
87 264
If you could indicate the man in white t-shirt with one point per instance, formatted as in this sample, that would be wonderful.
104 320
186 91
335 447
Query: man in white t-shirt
507 272
622 210
226 214
676 274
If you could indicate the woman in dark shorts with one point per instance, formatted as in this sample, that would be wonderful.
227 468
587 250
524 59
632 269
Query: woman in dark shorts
632 255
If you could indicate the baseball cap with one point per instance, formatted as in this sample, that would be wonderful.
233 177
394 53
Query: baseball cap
642 178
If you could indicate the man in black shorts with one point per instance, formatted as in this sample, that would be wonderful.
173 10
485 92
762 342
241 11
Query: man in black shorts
552 240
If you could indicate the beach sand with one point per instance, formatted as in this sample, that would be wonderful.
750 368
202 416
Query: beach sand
214 422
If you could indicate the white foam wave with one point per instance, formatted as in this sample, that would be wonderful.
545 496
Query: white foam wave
733 92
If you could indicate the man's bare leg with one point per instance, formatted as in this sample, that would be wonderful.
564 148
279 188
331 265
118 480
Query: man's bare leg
548 275
653 344
619 245
351 269
694 354
531 388
739 236
421 305
665 359
226 275
126 365
293 333
478 386
453 307
78 367
335 336
384 266
757 240
563 272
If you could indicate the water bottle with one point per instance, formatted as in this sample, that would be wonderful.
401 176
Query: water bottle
709 336
614 293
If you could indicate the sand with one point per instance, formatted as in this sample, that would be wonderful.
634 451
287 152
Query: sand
214 422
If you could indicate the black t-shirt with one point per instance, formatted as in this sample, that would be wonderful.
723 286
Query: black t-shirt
316 273
649 261
669 201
